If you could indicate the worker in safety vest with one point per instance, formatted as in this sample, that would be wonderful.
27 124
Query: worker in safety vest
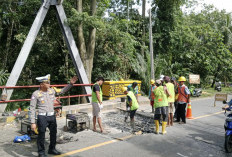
134 88
183 99
97 103
171 99
151 95
176 85
133 103
161 106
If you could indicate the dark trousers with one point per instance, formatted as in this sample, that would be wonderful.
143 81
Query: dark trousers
175 114
180 112
132 113
43 122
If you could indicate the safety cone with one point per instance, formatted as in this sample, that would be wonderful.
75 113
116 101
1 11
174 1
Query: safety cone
189 112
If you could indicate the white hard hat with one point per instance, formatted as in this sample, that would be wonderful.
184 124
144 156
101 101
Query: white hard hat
43 78
161 77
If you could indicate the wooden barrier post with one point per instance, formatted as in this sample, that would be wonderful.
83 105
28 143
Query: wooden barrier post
220 97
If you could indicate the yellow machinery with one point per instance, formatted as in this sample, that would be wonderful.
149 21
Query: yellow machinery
113 89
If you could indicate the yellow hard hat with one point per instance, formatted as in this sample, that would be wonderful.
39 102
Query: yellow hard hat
121 79
182 79
124 89
152 81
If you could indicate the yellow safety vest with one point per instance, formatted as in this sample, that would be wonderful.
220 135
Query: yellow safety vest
161 99
94 95
171 90
135 104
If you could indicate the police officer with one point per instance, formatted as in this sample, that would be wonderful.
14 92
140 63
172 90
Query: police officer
44 98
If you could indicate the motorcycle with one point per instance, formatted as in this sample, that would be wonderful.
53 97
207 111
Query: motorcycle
218 86
228 126
196 92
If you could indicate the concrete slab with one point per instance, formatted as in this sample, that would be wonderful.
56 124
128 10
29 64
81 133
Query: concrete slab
107 106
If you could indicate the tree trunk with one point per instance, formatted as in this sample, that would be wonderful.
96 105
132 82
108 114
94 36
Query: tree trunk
80 36
87 54
226 84
91 43
8 44
215 77
1 32
81 45
214 80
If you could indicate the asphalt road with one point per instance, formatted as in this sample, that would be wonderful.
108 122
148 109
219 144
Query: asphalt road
200 137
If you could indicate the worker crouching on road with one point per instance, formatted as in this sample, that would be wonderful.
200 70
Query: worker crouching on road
150 96
171 99
161 106
97 103
183 99
44 98
133 88
133 103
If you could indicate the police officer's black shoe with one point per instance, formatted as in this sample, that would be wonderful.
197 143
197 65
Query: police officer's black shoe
42 155
54 152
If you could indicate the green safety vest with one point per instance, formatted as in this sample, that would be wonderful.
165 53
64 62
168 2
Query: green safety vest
94 95
161 99
171 90
135 104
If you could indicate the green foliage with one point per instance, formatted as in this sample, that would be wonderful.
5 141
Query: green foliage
184 43
196 43
3 77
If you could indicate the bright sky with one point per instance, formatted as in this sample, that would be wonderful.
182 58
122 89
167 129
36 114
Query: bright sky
221 4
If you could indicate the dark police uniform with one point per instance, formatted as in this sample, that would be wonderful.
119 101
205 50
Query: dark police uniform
46 116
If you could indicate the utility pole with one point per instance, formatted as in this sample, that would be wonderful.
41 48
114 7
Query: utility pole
128 12
151 46
143 31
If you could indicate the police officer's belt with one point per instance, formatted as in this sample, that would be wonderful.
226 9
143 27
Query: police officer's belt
46 113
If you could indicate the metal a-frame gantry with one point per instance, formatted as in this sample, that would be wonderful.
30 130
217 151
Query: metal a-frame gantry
23 55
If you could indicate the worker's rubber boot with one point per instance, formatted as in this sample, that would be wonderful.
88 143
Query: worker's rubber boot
156 126
164 124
